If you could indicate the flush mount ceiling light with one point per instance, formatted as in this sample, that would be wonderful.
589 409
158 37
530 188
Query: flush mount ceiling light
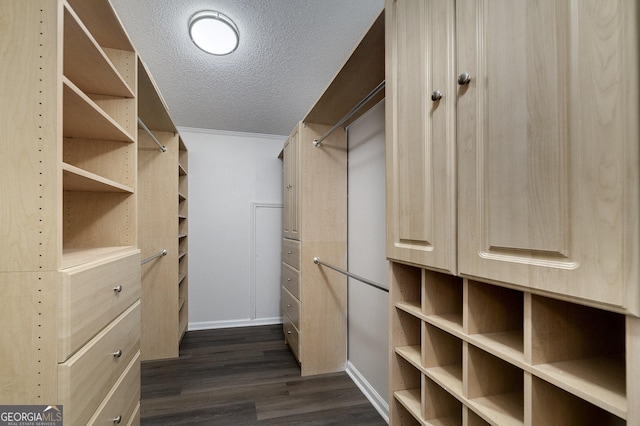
214 32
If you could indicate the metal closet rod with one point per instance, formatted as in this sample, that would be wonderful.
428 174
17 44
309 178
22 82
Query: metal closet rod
149 259
317 261
355 109
146 129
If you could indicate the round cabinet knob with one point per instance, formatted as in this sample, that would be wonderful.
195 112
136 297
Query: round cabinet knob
436 95
118 353
288 305
289 332
288 252
288 279
464 79
117 288
117 420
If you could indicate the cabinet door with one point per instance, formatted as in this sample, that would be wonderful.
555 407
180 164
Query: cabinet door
548 146
420 133
290 181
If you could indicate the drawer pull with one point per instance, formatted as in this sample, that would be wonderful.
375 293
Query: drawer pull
288 252
288 305
289 332
117 288
118 353
288 279
117 420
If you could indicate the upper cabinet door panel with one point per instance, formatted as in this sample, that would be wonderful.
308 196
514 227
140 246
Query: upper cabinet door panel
548 145
291 184
420 133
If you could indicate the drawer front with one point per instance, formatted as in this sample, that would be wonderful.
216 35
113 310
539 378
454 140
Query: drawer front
135 417
291 253
291 307
92 296
291 336
86 378
123 401
291 280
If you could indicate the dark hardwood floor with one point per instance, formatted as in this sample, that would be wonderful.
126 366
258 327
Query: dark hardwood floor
246 376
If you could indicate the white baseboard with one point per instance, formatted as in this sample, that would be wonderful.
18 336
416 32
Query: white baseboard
211 325
381 406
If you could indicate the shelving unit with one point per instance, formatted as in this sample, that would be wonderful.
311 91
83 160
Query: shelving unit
508 220
70 272
183 246
162 224
498 352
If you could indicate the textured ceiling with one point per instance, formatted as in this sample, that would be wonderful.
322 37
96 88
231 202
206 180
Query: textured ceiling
289 52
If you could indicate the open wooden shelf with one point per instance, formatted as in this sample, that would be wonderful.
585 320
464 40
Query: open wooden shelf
84 119
86 64
76 179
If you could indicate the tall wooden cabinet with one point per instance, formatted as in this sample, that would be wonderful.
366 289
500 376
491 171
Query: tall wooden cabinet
314 300
162 224
421 155
70 269
537 324
291 184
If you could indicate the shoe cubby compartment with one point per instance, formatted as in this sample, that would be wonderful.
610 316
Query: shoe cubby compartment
469 418
442 358
494 320
408 383
552 406
439 407
581 350
442 301
494 388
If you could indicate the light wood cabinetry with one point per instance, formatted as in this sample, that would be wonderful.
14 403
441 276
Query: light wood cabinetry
421 162
70 269
467 348
290 191
313 300
162 224
548 140
537 324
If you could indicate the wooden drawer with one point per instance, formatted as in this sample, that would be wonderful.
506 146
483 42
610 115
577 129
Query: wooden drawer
291 336
291 280
86 378
135 417
291 253
123 401
90 300
291 307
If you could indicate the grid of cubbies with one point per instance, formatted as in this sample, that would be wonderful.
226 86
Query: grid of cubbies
467 352
99 135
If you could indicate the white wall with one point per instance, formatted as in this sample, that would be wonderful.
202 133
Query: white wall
368 357
235 220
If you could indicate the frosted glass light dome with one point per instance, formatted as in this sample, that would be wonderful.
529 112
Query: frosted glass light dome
214 32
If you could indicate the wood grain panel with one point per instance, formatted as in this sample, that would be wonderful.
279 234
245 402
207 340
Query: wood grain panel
420 134
547 135
88 301
86 378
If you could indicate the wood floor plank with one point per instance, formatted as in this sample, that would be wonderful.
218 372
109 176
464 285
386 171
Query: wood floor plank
246 376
